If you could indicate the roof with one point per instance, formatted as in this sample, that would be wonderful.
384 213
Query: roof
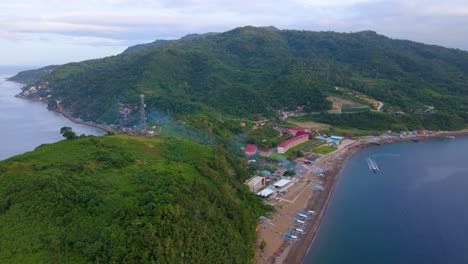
282 183
265 192
254 181
289 141
251 148
293 130
298 129
336 137
302 133
266 172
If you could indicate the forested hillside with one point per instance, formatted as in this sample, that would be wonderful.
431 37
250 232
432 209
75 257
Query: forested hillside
252 70
33 76
118 199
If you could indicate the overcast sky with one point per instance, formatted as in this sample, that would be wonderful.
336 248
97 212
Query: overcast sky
42 32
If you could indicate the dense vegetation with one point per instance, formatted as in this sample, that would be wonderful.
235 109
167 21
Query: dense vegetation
259 70
398 122
33 76
119 199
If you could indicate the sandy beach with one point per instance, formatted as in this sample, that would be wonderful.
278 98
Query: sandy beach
300 196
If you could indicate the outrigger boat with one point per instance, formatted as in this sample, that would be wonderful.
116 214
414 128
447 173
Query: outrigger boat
317 187
299 223
307 212
303 216
297 230
290 236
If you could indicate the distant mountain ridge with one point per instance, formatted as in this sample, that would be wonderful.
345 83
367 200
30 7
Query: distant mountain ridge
253 70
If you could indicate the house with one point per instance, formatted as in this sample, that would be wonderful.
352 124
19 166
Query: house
250 149
255 183
266 173
421 132
292 142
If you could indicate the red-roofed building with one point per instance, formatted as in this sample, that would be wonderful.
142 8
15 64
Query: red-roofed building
250 149
292 142
295 130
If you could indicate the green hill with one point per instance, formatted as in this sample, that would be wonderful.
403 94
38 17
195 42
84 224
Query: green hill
252 70
33 76
120 199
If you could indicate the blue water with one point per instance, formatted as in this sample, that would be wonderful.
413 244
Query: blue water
415 210
24 124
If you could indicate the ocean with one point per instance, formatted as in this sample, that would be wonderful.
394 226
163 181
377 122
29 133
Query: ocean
415 210
26 124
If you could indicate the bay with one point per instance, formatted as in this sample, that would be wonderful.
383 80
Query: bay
24 124
415 210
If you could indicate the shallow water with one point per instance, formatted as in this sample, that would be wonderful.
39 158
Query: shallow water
415 210
24 124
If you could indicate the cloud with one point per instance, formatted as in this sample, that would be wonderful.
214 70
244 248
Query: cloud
124 22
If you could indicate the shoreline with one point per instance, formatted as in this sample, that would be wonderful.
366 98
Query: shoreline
318 201
69 116
65 114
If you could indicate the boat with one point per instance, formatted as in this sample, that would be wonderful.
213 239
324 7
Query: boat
317 187
297 230
299 223
307 212
303 216
373 165
415 140
451 137
290 236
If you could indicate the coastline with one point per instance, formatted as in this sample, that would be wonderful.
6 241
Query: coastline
277 250
64 113
70 117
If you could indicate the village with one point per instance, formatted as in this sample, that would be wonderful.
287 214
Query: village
296 177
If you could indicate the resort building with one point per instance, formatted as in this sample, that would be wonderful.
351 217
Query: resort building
286 145
255 183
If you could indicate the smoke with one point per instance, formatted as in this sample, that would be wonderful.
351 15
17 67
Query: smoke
167 125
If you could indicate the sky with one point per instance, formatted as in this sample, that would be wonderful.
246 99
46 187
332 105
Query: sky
43 32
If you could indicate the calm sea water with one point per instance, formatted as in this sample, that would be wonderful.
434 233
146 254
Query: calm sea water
24 125
414 211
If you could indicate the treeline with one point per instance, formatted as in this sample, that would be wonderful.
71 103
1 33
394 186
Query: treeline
396 122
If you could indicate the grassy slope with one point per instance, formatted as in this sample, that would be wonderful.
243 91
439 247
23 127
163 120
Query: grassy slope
124 199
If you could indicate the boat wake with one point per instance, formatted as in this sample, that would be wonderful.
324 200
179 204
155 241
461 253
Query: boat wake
372 165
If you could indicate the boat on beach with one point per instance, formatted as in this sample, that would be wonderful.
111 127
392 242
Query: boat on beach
297 230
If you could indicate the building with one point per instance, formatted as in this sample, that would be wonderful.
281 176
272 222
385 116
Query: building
250 149
295 131
255 183
336 139
292 142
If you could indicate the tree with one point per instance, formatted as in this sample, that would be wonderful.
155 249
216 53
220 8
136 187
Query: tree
68 133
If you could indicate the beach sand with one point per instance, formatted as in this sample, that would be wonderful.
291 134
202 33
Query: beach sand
301 196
